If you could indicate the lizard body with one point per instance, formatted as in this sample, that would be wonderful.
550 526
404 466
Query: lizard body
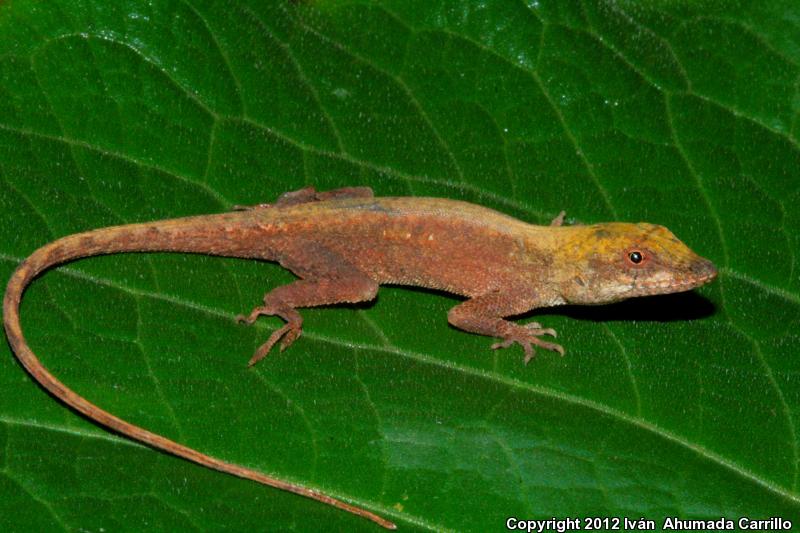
343 244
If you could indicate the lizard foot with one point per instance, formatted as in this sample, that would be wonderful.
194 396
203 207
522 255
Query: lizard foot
287 334
530 337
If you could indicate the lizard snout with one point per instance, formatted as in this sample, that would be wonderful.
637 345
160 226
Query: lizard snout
703 271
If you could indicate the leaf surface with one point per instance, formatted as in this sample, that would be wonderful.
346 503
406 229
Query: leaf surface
679 114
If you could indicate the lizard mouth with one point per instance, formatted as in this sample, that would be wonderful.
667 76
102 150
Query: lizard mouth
700 274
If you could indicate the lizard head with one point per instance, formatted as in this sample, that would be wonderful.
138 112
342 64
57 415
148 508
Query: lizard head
615 261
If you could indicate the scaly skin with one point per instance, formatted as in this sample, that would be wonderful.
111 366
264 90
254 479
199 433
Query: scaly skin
343 244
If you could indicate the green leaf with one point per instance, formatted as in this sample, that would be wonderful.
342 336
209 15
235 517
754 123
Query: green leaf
677 113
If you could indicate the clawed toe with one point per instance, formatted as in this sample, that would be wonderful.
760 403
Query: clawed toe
289 337
553 347
253 316
288 333
241 319
536 329
503 344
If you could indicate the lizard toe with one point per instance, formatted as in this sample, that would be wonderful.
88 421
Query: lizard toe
536 329
255 313
264 349
553 347
290 336
503 344
241 319
525 343
529 353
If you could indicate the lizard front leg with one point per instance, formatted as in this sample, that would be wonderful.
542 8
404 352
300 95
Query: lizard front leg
559 220
327 280
484 315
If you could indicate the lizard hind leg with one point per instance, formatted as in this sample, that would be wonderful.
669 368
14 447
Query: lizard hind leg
330 280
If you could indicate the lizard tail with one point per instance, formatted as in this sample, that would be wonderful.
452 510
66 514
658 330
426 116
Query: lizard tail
141 237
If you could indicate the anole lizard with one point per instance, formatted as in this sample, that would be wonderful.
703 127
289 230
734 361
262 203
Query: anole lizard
343 244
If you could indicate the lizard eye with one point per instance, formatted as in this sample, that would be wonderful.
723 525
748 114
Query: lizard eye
635 257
